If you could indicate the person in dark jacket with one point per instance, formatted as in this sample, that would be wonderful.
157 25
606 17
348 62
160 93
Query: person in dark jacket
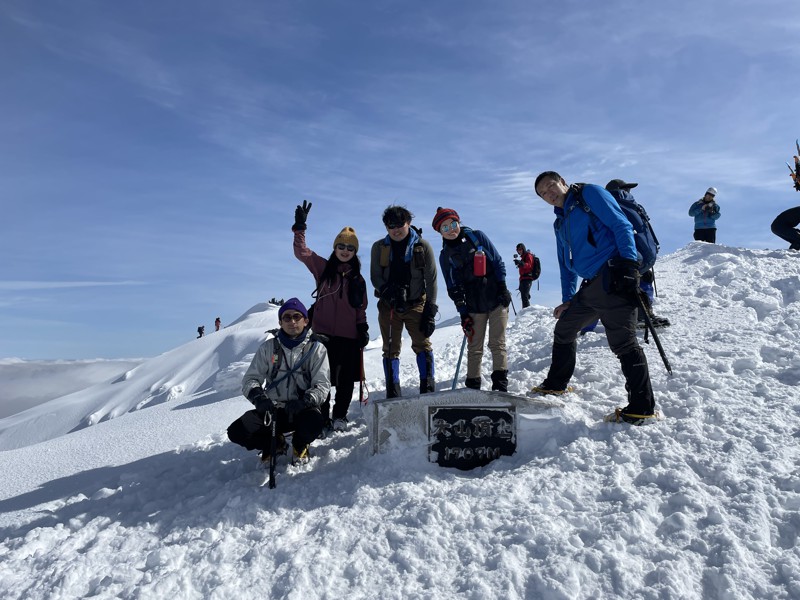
403 273
706 212
598 247
523 260
286 381
476 282
340 311
785 227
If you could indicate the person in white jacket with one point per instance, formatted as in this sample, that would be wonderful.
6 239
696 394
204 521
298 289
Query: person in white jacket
288 380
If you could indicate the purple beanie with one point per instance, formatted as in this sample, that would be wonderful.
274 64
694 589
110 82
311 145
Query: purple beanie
293 304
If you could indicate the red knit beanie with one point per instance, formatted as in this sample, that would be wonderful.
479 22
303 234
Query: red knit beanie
442 214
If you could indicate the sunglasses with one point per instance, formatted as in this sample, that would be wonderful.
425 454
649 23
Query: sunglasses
348 247
395 225
293 318
452 227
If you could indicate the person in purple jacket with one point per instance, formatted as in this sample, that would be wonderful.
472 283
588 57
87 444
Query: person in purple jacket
339 313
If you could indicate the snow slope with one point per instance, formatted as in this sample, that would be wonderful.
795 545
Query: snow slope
147 499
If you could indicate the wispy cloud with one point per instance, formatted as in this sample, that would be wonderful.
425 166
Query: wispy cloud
14 286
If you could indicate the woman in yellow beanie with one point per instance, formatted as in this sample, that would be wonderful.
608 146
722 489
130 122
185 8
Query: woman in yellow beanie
340 310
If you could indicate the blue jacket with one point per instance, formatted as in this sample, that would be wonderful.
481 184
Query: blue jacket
469 293
704 219
585 242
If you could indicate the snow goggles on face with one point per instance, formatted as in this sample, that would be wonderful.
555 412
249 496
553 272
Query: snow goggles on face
292 318
348 247
394 225
451 227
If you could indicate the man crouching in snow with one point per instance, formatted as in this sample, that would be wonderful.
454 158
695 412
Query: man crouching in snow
288 381
595 241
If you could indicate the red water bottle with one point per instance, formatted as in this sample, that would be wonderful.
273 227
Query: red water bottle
479 263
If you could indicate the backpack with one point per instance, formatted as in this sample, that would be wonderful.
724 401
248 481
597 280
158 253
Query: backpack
643 235
537 267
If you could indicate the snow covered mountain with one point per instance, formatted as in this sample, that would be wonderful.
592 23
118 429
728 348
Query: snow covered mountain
130 489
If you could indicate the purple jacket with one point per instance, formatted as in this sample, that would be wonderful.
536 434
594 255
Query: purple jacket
333 314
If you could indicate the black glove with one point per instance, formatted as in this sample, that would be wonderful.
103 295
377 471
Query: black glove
427 322
260 400
503 295
517 263
295 405
467 325
363 334
300 216
624 277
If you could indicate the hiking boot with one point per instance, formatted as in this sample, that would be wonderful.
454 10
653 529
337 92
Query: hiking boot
301 456
473 383
500 380
280 449
543 391
624 415
660 322
340 424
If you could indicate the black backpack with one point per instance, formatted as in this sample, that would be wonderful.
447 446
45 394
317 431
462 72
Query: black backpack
537 268
643 235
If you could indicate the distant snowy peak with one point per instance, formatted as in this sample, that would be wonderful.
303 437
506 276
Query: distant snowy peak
209 368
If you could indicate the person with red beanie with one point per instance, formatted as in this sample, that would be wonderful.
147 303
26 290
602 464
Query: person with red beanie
476 282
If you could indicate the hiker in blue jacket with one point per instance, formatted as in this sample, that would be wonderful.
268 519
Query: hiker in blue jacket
705 212
598 247
476 282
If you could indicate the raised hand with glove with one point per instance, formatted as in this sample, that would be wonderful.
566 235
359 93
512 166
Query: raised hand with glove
427 323
363 334
623 277
503 295
301 215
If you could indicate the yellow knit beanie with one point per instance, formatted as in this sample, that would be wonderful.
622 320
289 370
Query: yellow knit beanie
346 236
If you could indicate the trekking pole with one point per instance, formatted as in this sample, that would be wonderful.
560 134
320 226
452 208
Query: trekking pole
362 385
652 329
273 445
458 364
512 307
655 288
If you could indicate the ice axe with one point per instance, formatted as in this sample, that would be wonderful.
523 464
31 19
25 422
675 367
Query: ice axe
458 364
652 330
273 447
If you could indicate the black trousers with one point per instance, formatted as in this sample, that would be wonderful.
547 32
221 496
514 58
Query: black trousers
706 235
618 315
525 292
344 359
785 227
249 429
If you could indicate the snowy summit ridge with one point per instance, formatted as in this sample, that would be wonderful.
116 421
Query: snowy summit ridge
147 498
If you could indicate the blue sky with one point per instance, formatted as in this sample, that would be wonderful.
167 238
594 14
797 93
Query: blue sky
152 153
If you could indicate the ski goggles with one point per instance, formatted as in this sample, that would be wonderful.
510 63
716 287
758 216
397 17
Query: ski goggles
348 247
394 225
451 227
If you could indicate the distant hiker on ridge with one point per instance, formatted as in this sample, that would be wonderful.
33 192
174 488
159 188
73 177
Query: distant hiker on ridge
217 323
200 331
339 312
529 269
705 212
599 247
